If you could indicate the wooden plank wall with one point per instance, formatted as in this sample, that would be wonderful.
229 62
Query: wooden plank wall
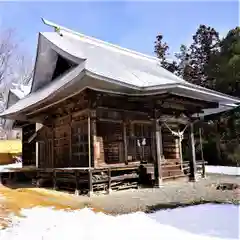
79 142
110 140
61 142
46 148
170 144
65 144
70 148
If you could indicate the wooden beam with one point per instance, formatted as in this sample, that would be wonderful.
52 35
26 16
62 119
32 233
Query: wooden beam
109 180
89 143
77 190
180 152
125 148
89 156
202 156
52 153
193 165
38 126
93 138
83 112
90 183
70 138
158 134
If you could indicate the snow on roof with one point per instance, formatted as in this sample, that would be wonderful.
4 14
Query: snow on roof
112 62
14 95
20 90
18 93
111 68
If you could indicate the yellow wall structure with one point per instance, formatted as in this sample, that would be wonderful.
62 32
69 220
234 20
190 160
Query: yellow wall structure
9 148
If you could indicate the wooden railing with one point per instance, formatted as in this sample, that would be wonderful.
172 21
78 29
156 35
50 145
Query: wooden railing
200 165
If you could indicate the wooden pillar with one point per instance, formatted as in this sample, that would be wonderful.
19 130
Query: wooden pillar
109 181
96 153
70 140
158 133
125 150
202 156
77 190
193 165
180 152
53 147
38 126
90 183
89 156
89 143
54 180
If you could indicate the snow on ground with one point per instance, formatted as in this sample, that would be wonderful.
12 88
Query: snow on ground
206 219
48 224
235 171
4 168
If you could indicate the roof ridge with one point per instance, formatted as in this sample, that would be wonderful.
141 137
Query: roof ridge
106 44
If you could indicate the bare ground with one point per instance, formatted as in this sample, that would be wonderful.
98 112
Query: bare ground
170 195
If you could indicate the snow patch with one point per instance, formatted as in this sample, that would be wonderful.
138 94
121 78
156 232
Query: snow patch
48 224
235 171
5 168
216 220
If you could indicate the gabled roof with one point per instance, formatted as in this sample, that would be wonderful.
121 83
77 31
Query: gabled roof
13 96
102 66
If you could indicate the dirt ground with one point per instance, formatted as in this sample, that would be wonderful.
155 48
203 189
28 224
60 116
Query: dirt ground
171 195
13 199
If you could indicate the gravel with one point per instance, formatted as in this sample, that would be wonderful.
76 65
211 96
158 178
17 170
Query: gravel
170 195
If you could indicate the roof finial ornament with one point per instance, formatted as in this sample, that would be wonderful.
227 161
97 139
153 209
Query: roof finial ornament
56 27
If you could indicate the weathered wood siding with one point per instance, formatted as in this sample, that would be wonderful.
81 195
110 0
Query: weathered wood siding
65 144
123 138
45 145
122 132
170 143
79 142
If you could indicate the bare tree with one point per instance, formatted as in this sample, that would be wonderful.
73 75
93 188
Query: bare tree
15 64
8 48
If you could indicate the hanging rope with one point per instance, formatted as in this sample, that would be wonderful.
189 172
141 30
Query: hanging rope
179 134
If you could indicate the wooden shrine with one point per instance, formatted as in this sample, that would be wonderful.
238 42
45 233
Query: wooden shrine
100 117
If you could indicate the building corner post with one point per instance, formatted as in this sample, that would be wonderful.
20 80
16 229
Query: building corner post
158 135
37 127
193 165
202 156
